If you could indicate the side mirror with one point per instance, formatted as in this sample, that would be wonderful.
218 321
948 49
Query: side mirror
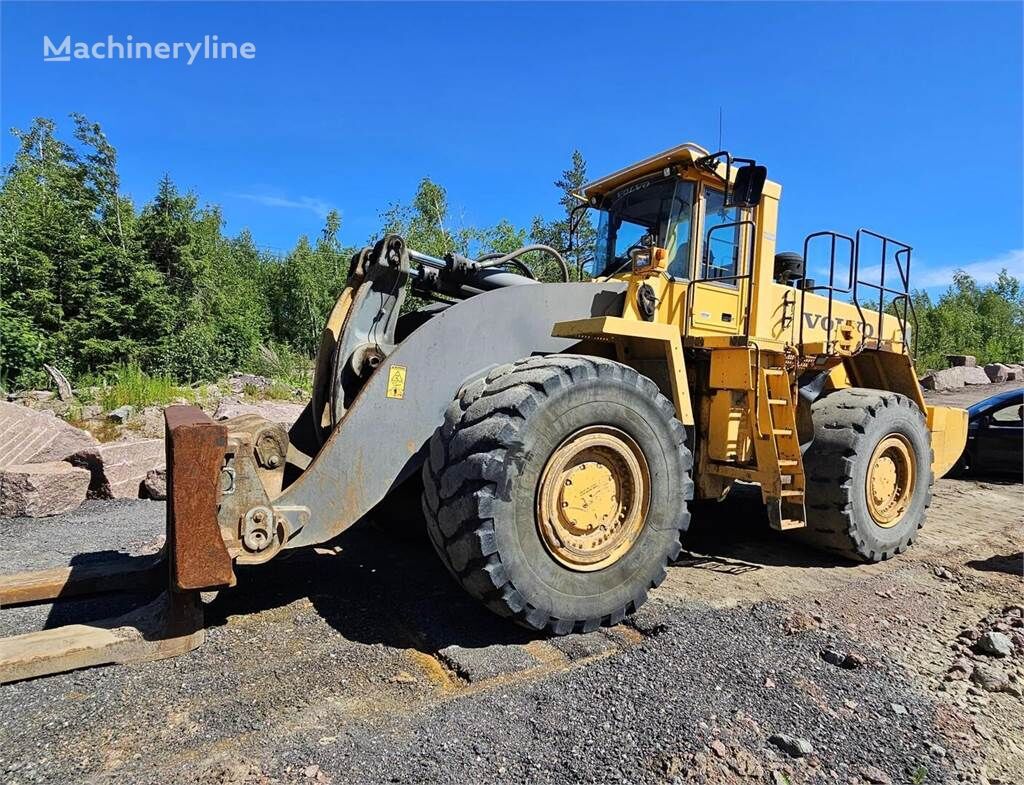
746 190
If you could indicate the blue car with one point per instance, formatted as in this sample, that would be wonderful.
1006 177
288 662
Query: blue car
995 436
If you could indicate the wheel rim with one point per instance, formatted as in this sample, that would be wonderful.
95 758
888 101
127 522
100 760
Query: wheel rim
593 498
890 481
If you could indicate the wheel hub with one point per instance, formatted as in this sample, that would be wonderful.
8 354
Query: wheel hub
890 480
593 498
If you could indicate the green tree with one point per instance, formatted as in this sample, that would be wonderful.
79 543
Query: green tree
556 233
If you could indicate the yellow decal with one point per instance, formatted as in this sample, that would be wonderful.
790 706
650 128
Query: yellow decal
396 381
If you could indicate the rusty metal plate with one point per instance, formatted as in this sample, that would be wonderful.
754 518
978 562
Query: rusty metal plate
195 453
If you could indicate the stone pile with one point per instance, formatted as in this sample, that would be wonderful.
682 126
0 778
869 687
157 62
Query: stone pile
48 467
964 370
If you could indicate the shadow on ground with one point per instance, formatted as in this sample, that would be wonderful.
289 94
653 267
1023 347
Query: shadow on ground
1012 563
383 584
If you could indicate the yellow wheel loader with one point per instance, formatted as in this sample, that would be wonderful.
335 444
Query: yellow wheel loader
556 432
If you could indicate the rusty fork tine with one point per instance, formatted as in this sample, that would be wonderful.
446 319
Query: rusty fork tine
195 558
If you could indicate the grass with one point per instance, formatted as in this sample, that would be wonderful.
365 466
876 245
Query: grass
129 385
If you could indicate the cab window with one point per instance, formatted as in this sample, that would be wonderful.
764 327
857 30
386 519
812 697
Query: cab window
677 231
721 253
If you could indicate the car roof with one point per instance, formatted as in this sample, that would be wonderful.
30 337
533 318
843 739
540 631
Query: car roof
1004 397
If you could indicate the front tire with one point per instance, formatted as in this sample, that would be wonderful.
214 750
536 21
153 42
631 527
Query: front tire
869 474
556 491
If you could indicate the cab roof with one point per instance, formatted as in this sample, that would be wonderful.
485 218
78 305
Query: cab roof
685 153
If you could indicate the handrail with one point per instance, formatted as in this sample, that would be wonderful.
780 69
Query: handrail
747 276
902 294
831 285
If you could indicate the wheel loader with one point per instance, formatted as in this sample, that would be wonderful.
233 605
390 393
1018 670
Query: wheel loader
556 432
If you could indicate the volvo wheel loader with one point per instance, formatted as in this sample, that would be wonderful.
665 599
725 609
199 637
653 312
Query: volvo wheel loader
559 430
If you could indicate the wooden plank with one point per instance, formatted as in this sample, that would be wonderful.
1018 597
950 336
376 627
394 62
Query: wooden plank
102 576
169 626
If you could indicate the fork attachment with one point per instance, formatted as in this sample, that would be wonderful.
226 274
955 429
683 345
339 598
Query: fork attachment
194 558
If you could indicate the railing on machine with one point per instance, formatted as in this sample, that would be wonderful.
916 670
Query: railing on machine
901 295
830 287
747 276
901 302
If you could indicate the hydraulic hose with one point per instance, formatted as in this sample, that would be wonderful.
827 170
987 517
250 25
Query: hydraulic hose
497 261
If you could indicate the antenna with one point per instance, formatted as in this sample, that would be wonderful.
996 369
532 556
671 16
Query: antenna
719 127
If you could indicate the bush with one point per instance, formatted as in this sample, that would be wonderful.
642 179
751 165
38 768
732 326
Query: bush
129 385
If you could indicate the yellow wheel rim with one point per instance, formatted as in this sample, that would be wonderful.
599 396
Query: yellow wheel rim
593 498
890 481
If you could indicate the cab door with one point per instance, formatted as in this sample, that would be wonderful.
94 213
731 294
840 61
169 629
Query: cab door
719 292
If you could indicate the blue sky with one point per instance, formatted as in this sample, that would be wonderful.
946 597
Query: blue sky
906 118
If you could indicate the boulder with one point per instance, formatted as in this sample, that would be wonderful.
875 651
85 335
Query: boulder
275 411
947 379
974 375
28 436
119 468
994 644
997 372
962 360
38 489
155 484
1016 372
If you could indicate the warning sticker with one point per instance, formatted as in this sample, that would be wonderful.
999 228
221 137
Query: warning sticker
396 381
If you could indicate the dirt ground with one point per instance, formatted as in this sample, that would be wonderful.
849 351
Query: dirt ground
364 663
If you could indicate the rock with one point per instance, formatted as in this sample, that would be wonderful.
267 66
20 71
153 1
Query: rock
875 775
849 661
965 360
275 411
997 372
121 414
119 468
974 375
995 644
793 746
800 621
38 489
942 572
240 381
27 436
155 484
989 678
832 656
718 747
948 379
898 708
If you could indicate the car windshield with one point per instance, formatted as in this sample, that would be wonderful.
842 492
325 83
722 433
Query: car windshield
995 402
660 208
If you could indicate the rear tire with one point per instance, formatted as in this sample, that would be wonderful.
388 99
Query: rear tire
489 472
869 474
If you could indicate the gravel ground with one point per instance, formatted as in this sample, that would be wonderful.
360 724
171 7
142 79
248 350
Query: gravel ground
363 662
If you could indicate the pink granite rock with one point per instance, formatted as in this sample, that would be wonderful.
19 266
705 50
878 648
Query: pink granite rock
28 436
119 468
38 489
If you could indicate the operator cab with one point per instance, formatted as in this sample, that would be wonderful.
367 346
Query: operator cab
668 202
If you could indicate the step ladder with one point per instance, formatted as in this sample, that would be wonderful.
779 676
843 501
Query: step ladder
778 451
